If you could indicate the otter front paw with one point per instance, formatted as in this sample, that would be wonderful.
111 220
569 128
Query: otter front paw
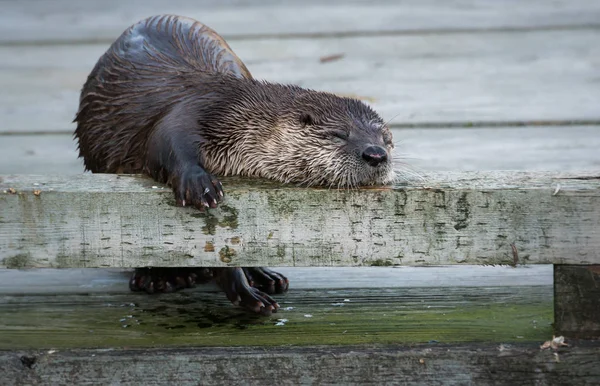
153 280
235 285
198 188
266 280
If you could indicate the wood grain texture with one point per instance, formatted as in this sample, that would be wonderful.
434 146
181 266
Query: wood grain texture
418 79
472 364
448 218
57 21
311 316
577 301
544 148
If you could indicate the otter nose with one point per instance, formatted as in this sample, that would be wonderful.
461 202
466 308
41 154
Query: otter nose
374 155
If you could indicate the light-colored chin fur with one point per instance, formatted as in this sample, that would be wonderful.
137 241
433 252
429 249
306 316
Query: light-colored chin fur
384 175
328 169
290 155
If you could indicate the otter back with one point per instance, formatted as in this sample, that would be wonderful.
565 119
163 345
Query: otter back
141 72
170 99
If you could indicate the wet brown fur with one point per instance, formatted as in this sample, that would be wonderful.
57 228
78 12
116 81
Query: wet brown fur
172 76
171 100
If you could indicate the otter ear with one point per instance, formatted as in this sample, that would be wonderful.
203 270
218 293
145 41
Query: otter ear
306 119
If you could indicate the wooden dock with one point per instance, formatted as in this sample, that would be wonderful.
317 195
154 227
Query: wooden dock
524 75
479 94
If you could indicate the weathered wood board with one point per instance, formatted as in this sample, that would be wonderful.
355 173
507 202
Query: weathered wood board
577 301
39 154
310 316
426 80
41 21
459 364
447 218
545 148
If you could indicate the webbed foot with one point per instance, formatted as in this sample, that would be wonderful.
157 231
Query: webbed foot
153 280
234 283
266 280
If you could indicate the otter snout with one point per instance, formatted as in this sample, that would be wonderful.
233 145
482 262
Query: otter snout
375 155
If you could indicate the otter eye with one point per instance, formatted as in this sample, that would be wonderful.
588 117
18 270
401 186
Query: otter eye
339 134
306 119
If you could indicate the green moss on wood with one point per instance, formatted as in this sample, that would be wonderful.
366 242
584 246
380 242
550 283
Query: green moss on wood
340 317
227 254
382 263
19 261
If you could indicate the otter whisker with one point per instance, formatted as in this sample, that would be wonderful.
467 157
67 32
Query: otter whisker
392 118
404 170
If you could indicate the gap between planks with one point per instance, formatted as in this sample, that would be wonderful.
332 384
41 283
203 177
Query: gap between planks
99 280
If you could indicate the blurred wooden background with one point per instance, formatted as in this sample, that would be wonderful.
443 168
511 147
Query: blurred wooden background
467 85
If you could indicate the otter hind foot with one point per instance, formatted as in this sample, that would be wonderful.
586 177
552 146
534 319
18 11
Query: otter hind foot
234 283
198 188
162 280
267 280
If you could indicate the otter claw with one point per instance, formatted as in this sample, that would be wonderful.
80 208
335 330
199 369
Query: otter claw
266 280
154 280
237 289
195 187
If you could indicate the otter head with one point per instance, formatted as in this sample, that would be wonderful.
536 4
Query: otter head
294 135
325 140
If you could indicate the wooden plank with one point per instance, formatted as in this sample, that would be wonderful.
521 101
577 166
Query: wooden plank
544 148
577 301
448 218
313 316
39 154
42 21
460 364
420 79
115 281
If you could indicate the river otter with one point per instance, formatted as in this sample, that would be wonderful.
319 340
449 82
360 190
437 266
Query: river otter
171 100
